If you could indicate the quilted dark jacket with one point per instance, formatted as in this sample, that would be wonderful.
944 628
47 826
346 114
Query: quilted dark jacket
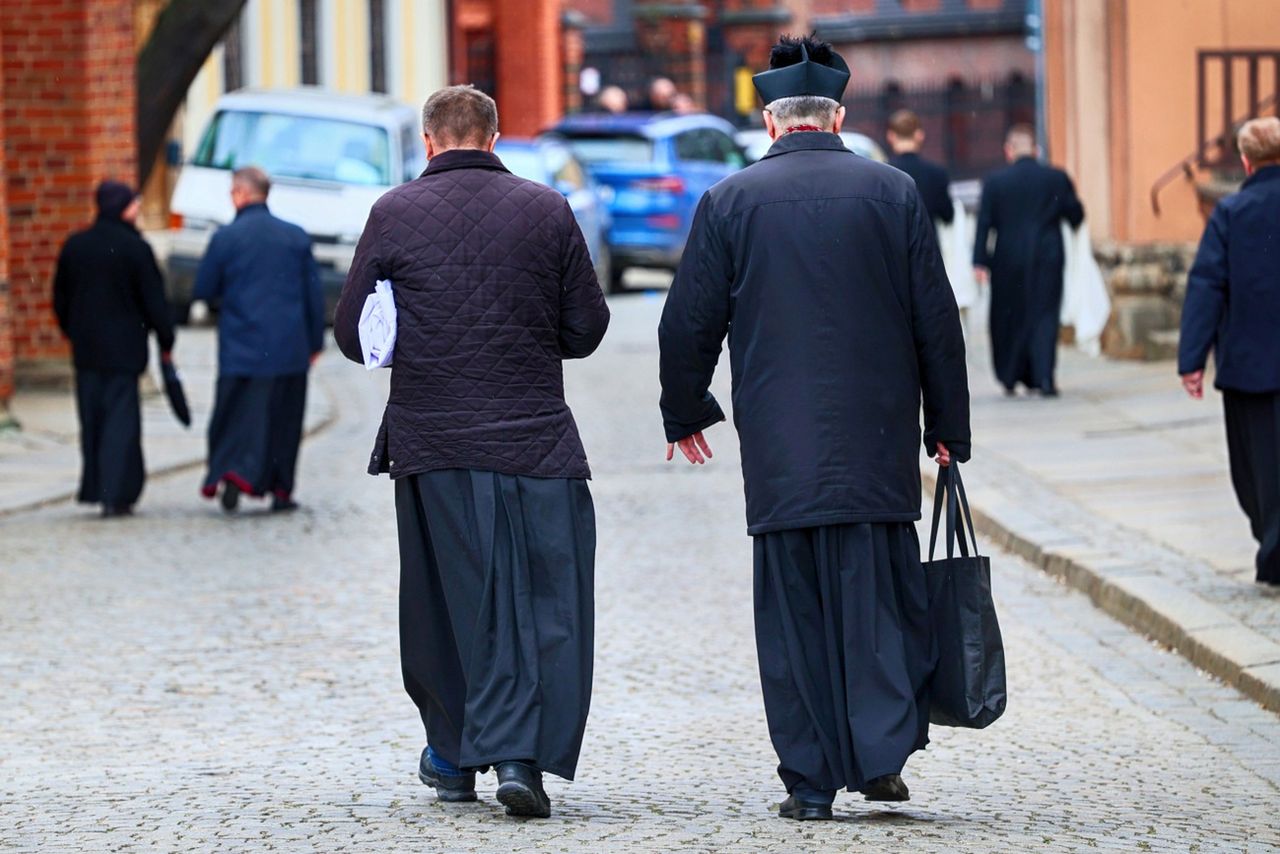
494 288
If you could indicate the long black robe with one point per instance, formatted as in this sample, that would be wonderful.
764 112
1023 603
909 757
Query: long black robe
1025 204
497 610
1253 446
823 269
255 434
112 471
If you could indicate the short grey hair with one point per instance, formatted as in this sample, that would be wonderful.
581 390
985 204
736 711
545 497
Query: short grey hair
457 116
803 110
253 179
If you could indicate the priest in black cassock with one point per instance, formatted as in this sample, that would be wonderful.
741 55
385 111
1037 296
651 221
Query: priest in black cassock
494 290
108 295
1025 205
823 269
261 274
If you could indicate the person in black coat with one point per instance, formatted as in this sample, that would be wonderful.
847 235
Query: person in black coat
1233 308
260 273
494 289
906 138
823 269
1025 205
108 294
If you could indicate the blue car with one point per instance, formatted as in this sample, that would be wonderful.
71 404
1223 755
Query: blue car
551 162
657 167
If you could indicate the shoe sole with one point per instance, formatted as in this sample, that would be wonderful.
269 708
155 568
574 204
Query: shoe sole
807 814
449 796
230 498
522 801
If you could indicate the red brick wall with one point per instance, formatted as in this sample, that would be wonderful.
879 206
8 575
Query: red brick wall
6 326
530 64
68 110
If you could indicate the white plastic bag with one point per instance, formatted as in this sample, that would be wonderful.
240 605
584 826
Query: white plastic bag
1086 305
955 240
378 326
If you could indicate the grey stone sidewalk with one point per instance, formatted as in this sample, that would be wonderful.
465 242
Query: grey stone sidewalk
40 463
1121 488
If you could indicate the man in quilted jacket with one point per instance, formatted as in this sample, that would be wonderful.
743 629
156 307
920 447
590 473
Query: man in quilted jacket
494 289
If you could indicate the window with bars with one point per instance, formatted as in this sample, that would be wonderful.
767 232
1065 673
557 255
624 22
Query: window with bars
377 46
309 29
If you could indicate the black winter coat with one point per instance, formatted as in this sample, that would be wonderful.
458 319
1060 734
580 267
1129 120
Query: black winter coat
260 271
823 268
108 293
1233 291
494 288
932 181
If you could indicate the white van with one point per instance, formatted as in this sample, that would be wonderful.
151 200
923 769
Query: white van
330 156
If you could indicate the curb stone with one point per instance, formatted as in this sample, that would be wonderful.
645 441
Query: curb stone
1186 623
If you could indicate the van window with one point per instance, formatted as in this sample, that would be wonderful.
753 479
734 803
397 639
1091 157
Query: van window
297 147
415 155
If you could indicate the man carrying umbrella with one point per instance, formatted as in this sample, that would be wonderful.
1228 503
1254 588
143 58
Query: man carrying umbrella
108 294
824 270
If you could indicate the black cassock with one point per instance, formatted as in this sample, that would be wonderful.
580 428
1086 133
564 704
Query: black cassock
255 434
823 269
497 614
1025 204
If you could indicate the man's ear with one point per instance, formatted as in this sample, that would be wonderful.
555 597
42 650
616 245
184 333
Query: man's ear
1248 167
431 149
770 126
493 142
839 119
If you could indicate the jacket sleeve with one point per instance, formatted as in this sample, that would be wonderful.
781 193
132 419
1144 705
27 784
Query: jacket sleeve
367 267
155 306
314 296
939 340
208 285
982 232
694 323
1072 209
62 293
1206 296
584 315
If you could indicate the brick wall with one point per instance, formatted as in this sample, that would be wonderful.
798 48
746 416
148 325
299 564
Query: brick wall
530 64
6 326
68 111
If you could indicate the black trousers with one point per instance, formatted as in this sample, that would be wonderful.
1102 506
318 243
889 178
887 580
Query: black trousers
1025 315
255 433
497 611
110 438
846 651
1253 444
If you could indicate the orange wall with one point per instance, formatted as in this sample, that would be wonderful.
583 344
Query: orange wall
1149 77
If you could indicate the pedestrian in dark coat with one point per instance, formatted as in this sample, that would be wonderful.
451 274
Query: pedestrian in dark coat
906 138
261 275
823 269
494 289
108 295
1233 308
1025 205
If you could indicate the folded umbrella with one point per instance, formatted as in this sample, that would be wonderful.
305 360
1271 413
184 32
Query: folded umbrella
174 391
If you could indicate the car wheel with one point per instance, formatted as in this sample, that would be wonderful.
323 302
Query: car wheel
616 285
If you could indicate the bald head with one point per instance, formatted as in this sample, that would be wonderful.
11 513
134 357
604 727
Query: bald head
249 186
1259 143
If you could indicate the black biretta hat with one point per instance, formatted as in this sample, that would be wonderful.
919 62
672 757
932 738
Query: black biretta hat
804 78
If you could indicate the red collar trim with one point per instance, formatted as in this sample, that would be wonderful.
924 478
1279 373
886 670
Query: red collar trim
804 128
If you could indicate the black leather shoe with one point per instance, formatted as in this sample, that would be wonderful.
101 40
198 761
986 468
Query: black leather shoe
520 790
802 810
230 496
449 787
887 788
115 511
283 505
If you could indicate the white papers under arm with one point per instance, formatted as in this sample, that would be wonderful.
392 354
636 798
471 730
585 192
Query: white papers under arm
378 326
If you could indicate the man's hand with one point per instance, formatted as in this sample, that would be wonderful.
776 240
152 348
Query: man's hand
981 275
166 357
1194 384
315 357
695 449
944 456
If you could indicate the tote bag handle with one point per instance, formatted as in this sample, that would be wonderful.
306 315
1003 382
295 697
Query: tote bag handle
951 488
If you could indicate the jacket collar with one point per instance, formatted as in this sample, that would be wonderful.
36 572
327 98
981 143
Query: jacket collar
116 222
805 140
256 207
464 158
1264 175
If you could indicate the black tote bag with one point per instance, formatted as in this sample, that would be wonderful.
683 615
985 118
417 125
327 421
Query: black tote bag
968 687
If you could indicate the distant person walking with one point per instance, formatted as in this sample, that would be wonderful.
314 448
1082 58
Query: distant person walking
906 139
1025 205
1233 308
260 273
108 294
494 290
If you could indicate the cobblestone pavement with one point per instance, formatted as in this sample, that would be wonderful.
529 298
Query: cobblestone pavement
181 681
